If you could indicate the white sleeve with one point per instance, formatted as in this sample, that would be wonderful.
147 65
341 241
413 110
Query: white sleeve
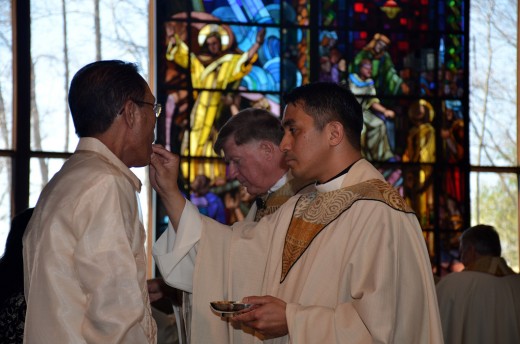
175 252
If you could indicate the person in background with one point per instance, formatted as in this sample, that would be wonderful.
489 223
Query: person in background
480 304
12 301
345 263
163 298
84 248
208 203
249 143
238 204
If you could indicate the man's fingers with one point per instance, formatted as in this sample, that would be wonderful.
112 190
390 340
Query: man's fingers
256 300
245 317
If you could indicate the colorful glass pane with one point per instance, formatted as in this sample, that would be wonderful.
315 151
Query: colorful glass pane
405 61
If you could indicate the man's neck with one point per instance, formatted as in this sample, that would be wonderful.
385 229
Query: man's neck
340 162
282 179
342 172
492 265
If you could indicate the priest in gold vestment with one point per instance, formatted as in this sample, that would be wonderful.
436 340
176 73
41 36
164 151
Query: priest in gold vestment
344 264
249 143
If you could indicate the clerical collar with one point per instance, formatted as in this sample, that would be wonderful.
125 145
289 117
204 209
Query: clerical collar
345 171
281 182
261 200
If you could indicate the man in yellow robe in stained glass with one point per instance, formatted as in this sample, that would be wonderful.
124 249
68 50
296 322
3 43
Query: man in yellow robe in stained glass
214 70
420 148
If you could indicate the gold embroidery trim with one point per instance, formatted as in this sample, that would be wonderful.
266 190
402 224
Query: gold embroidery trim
314 211
278 198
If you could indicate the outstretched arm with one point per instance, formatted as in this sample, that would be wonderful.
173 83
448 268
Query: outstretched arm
259 41
164 171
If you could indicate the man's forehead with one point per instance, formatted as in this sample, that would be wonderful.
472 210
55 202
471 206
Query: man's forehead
288 114
230 148
288 121
293 114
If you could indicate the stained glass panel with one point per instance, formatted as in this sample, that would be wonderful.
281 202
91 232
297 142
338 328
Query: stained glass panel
296 12
451 15
403 15
405 60
296 63
244 11
333 52
333 13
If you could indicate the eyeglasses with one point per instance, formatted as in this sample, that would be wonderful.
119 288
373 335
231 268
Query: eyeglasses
157 108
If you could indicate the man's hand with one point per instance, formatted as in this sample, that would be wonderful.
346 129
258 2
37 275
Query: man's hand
164 171
155 289
266 316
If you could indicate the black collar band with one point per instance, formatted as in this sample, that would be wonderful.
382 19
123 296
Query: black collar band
345 171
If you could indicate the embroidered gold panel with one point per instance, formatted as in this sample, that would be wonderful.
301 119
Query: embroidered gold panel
314 211
276 199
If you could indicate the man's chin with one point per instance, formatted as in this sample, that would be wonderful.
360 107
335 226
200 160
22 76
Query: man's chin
254 191
294 171
251 192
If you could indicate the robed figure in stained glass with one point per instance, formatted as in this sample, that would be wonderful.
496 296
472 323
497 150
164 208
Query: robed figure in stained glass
215 69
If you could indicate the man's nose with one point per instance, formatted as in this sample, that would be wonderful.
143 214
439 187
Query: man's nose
284 144
232 170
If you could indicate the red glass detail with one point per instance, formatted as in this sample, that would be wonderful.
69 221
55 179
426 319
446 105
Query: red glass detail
358 7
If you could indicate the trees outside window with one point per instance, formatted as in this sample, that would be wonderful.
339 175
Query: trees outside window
65 35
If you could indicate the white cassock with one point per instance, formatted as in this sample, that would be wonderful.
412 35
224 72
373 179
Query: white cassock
351 264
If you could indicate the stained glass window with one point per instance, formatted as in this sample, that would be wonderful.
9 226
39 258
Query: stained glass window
405 60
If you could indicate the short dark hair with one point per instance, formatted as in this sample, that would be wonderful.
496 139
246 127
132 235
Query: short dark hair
484 239
98 92
248 125
327 102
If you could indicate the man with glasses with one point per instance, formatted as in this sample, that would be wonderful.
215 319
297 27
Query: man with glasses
84 257
157 108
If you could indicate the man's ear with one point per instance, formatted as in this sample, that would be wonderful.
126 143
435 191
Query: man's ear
336 133
128 113
267 148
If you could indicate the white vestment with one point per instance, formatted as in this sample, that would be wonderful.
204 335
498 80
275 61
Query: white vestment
175 256
479 308
365 277
84 256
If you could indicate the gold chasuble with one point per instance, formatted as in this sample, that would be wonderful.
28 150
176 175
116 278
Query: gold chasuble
309 219
351 256
276 199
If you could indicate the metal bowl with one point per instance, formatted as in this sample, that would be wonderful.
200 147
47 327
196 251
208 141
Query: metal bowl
229 306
